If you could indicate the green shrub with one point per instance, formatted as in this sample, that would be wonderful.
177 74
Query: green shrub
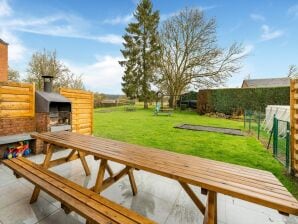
229 101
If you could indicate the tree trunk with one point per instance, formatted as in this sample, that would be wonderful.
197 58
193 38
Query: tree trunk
146 103
171 102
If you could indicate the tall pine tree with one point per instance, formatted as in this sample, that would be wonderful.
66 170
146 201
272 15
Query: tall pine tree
141 52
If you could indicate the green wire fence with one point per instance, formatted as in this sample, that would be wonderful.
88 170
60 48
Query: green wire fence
278 139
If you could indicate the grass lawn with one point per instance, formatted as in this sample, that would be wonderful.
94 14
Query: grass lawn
141 127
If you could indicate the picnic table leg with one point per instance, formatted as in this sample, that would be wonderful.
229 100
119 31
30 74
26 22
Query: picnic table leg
46 163
211 208
84 163
100 175
193 197
71 154
110 171
132 182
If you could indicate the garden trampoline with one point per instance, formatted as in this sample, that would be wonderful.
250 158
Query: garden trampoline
228 131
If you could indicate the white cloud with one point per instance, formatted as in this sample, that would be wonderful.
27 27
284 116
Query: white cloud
248 49
104 75
16 48
109 38
60 25
257 17
119 20
5 9
293 10
269 34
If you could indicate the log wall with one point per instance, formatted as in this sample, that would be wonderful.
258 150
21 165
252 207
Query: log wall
17 99
81 109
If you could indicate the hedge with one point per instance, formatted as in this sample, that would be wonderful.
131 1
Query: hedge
229 101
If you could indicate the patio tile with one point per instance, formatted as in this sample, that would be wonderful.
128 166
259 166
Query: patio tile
160 199
158 187
237 214
60 217
184 210
150 206
6 178
143 203
23 212
13 192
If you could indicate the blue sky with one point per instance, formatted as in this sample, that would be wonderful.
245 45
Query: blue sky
87 34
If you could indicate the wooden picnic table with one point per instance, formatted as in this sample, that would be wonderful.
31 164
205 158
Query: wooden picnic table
257 186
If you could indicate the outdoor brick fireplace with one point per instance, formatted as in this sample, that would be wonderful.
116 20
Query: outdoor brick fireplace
53 111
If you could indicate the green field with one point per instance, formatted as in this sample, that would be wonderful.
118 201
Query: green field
141 127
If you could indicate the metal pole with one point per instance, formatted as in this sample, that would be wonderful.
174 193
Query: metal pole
288 145
275 136
259 125
244 117
249 124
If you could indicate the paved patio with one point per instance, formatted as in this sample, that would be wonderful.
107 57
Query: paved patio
161 199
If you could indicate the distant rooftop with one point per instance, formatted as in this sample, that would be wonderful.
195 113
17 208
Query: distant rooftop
3 42
273 82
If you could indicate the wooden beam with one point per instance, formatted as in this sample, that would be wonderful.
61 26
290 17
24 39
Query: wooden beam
71 154
204 191
59 161
100 176
46 163
211 210
66 209
132 182
16 175
110 180
84 162
110 171
193 197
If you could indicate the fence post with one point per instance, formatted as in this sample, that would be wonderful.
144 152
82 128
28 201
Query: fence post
259 125
249 124
288 145
244 118
275 136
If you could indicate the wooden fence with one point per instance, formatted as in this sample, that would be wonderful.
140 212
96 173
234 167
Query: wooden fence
294 125
17 99
82 109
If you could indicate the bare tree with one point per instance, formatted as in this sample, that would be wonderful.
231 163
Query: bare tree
190 55
293 72
47 63
13 75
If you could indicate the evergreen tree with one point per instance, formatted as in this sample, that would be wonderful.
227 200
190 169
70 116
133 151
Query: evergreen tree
141 52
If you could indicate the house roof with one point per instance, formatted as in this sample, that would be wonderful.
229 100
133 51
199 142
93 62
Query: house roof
3 42
273 82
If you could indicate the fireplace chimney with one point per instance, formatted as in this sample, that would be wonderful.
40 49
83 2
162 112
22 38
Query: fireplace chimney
47 83
3 61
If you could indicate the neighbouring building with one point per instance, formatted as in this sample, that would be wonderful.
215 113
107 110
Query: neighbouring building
263 83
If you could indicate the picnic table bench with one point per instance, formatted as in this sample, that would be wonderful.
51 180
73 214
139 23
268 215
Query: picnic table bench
213 177
163 110
73 197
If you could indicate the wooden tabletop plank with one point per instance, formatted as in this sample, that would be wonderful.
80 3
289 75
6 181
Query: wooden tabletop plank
245 183
186 166
153 152
187 162
207 171
219 177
